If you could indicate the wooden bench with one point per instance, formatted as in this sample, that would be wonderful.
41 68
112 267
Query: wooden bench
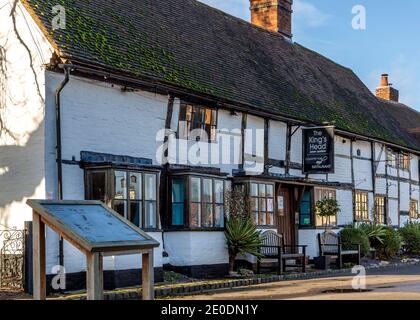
330 245
274 248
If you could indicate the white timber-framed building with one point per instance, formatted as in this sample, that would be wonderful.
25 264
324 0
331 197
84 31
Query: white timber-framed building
130 88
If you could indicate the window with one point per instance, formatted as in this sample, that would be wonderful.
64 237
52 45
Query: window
98 185
178 207
414 209
404 161
380 210
321 194
205 201
197 123
262 203
195 202
305 210
132 194
361 206
391 157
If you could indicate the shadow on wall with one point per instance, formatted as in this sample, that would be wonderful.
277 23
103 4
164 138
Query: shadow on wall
21 174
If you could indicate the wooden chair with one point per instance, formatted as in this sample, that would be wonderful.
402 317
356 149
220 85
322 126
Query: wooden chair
274 248
330 245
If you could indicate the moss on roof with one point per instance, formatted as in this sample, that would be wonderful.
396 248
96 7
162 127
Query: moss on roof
104 36
198 48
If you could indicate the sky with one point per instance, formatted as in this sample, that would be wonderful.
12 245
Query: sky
388 43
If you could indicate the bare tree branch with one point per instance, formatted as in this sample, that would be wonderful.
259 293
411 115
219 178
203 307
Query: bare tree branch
4 73
13 15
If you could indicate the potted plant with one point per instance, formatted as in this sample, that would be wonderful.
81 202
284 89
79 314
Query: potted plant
326 208
241 233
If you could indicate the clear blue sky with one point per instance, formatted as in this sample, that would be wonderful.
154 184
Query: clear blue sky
389 44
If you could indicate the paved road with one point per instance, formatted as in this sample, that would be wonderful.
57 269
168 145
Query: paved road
392 284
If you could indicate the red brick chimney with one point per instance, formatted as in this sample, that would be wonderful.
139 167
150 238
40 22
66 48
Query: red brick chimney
386 91
273 15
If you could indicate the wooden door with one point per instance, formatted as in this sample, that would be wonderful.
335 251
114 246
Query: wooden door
285 216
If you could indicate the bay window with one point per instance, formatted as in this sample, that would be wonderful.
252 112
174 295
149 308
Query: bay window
178 199
133 194
198 202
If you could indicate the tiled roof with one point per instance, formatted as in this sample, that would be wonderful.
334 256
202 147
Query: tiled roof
198 48
404 117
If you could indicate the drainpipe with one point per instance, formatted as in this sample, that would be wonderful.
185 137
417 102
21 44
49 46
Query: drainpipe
288 148
67 68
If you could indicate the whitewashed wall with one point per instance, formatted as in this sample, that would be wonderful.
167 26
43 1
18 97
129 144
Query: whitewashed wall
98 117
414 167
277 140
196 248
393 211
21 109
380 158
342 161
229 133
404 196
362 162
380 187
345 199
75 260
310 239
254 145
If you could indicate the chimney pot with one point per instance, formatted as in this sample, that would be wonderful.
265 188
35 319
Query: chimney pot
384 80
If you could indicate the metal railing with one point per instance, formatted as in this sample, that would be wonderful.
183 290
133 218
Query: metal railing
12 258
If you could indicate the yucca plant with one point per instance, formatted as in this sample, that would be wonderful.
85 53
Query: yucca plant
375 232
241 233
242 237
410 235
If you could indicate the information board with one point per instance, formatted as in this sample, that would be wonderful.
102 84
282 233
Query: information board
91 224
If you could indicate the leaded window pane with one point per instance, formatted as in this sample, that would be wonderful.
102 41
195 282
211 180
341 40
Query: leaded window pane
207 190
150 187
120 185
195 192
135 192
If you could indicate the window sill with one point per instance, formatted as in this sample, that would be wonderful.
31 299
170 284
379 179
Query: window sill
267 227
306 227
151 230
326 227
189 229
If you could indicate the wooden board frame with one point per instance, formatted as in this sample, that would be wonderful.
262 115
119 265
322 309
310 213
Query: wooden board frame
94 251
82 243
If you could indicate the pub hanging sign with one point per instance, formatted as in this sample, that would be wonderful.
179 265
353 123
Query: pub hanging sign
318 150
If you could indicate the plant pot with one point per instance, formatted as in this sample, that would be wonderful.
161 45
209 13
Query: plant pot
322 263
